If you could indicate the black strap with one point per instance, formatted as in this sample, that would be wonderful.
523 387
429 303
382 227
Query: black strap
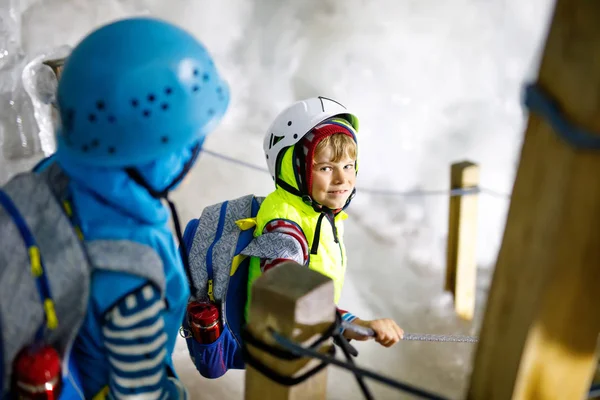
332 331
344 343
290 189
183 249
317 235
277 377
331 218
247 337
350 351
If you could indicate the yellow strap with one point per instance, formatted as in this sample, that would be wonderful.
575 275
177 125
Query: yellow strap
51 319
246 223
235 263
68 208
102 394
36 263
210 290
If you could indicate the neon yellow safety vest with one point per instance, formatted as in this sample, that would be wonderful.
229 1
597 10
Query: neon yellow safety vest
330 258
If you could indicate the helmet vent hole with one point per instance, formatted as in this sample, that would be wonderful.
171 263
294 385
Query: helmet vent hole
289 123
267 156
211 112
164 106
111 119
146 113
195 72
111 150
100 105
168 90
195 88
205 77
92 118
276 139
164 139
151 98
85 148
295 136
219 90
134 103
95 143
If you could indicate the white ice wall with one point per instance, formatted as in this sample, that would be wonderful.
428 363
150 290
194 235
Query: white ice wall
432 81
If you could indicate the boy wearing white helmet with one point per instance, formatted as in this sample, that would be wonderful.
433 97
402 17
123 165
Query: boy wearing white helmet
311 152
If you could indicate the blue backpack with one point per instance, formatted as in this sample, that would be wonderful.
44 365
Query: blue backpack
219 273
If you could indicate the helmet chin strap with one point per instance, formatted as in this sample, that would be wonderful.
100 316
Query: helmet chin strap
137 177
305 198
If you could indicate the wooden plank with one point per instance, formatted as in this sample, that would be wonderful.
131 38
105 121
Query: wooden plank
541 326
461 262
298 303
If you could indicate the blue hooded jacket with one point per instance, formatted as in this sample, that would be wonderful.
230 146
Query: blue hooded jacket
108 205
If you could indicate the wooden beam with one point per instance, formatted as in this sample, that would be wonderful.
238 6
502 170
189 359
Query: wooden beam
297 303
541 326
461 262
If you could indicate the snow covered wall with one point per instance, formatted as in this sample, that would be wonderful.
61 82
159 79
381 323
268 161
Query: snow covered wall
432 81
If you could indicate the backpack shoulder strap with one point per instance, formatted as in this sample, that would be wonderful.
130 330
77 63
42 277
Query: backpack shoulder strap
37 236
128 257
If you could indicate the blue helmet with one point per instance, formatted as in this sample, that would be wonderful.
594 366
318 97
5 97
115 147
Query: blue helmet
135 90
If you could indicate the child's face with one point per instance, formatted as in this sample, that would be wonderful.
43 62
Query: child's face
332 182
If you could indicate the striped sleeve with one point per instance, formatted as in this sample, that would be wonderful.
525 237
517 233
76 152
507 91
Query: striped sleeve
347 316
135 338
286 227
291 229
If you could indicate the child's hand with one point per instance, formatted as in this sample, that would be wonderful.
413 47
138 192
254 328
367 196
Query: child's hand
387 332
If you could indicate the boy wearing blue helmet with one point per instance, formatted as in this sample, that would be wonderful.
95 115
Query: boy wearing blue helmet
136 98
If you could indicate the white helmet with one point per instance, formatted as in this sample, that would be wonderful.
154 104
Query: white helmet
293 123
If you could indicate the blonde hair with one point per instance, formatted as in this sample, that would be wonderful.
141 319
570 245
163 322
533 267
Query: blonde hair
341 146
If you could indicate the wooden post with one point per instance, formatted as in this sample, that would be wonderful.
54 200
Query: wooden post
461 262
539 334
297 303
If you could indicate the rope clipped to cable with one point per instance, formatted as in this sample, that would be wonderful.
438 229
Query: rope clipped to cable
333 331
423 337
291 350
248 337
